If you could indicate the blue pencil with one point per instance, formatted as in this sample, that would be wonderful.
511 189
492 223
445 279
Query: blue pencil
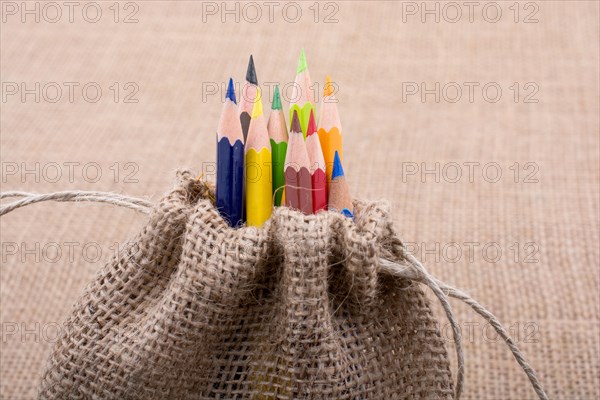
230 162
339 194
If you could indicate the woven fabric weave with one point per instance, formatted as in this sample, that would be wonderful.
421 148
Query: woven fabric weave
296 309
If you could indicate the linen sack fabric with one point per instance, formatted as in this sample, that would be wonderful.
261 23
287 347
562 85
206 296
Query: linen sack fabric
195 309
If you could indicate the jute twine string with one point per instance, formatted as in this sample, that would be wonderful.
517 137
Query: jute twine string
75 195
410 269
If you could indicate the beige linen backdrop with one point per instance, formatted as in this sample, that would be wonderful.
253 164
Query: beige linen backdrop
494 183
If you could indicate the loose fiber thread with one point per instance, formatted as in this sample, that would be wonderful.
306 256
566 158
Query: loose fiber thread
413 271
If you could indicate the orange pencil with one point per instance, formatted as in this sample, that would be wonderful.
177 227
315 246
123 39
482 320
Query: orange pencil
317 166
330 128
297 170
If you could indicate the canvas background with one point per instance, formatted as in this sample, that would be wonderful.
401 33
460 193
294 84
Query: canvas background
550 217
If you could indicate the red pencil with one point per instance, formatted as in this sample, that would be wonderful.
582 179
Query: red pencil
317 166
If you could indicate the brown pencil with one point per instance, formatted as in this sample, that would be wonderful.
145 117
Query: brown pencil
298 185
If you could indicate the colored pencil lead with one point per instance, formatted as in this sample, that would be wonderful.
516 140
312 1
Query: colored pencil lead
276 104
338 170
295 125
251 72
328 88
257 110
312 125
302 64
248 97
231 91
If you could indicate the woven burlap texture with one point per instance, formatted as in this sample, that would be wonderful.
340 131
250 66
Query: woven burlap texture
296 309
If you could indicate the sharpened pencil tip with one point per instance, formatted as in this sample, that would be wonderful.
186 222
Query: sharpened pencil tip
337 166
251 72
328 88
257 109
276 104
295 125
302 64
231 92
312 125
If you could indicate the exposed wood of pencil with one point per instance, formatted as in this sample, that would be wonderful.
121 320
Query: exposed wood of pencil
259 199
330 127
317 166
248 97
302 100
230 162
298 184
278 135
339 193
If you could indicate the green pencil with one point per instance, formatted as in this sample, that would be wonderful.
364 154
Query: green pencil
278 135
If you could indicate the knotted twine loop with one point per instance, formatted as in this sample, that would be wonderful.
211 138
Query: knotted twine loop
409 268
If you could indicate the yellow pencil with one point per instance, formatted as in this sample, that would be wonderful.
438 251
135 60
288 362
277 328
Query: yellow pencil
259 196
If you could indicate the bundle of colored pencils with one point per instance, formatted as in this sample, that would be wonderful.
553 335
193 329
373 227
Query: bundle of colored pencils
260 165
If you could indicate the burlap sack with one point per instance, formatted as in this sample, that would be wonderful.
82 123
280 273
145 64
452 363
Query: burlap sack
195 309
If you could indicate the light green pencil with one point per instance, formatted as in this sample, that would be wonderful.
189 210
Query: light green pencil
303 98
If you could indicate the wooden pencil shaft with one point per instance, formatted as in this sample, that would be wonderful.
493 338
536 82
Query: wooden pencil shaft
230 162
